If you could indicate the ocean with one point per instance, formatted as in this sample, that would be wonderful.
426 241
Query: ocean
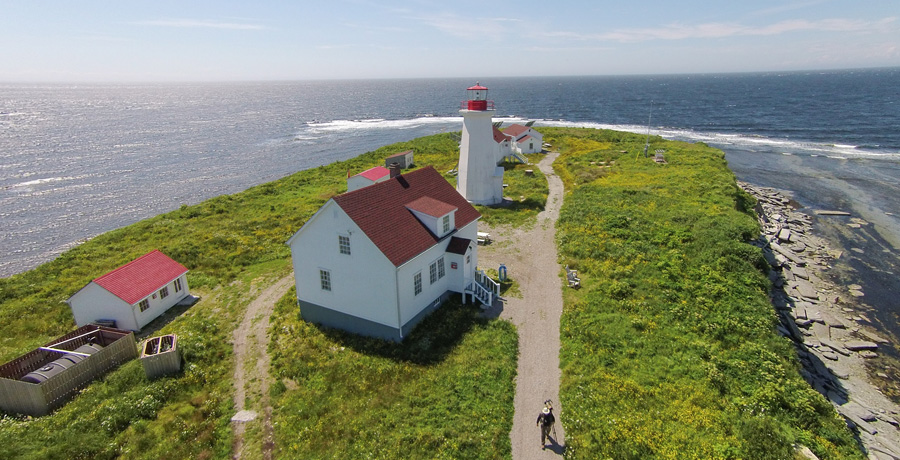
77 160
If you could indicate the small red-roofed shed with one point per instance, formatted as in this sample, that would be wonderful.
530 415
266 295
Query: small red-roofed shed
367 178
133 294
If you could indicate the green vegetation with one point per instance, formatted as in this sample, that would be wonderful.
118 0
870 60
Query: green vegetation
230 244
446 392
669 348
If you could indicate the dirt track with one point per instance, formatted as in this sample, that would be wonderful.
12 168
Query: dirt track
251 382
531 260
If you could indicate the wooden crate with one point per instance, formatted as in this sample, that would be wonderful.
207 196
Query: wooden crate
160 356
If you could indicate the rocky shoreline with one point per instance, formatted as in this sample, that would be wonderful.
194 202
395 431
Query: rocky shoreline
820 318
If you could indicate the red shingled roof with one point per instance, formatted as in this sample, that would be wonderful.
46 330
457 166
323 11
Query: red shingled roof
431 207
375 173
380 211
524 138
458 245
141 277
499 136
400 154
515 130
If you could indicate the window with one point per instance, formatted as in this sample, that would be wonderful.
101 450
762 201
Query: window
440 267
468 259
446 223
164 292
417 283
432 273
144 304
177 284
325 278
344 243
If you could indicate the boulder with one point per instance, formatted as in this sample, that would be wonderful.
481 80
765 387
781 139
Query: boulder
784 235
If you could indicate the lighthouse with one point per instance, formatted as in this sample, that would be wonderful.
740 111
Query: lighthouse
479 179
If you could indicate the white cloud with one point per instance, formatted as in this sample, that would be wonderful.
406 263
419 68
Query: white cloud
721 30
201 24
468 28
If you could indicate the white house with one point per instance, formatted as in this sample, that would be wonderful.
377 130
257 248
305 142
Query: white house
367 178
526 139
377 260
133 294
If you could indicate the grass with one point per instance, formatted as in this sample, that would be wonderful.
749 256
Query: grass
229 243
669 349
445 392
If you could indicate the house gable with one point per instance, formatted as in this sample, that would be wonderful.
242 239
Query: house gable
434 214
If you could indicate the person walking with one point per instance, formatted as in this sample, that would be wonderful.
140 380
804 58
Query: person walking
546 420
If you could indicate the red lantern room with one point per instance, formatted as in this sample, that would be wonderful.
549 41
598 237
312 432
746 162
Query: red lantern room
478 98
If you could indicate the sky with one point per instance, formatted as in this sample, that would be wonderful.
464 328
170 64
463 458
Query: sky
224 40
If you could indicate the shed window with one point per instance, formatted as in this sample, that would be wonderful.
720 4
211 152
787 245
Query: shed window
144 304
164 292
446 223
325 278
344 244
417 283
177 284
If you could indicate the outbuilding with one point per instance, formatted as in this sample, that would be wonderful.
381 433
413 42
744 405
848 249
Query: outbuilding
133 294
526 139
404 159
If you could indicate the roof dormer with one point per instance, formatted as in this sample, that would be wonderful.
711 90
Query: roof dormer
437 216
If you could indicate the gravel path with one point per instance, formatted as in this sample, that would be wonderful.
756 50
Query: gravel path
531 260
251 382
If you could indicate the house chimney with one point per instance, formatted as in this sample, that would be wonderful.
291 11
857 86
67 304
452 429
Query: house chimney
394 168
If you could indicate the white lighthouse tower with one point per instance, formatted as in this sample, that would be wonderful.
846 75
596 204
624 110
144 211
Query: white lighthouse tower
480 180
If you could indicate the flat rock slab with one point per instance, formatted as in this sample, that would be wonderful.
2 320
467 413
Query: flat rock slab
828 343
244 416
826 212
857 345
806 289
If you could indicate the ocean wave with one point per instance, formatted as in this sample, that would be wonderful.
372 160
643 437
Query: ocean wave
316 130
744 141
47 180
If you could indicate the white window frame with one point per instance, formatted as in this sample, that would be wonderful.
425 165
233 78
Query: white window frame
417 283
432 273
440 268
446 224
164 292
325 280
344 244
177 284
144 305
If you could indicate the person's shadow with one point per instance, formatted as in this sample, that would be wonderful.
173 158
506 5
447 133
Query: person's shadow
556 447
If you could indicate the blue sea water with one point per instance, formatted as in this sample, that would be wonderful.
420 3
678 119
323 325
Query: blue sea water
80 159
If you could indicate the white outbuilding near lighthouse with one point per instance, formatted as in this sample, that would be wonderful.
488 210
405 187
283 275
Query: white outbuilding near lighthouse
133 294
